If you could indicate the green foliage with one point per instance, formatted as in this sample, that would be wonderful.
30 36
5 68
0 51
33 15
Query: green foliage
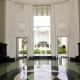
36 51
48 51
62 49
59 42
23 52
63 46
24 43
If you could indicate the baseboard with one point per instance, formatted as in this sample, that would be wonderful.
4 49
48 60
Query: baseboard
64 57
7 59
72 59
12 59
18 58
43 57
76 59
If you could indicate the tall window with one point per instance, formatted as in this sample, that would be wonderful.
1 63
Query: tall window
42 15
42 28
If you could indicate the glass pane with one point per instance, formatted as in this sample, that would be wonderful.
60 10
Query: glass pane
41 20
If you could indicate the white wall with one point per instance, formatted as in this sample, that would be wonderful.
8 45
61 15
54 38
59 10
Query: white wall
61 21
64 22
74 28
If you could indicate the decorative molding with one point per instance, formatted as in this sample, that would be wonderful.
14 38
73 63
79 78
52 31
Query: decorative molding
38 1
21 27
62 26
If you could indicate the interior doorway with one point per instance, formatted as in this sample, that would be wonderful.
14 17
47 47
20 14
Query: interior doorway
21 44
62 46
42 30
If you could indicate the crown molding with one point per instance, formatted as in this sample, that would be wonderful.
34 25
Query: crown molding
37 1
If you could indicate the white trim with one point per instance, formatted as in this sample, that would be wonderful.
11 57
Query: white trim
38 1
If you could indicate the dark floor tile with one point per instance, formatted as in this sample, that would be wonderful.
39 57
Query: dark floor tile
54 73
56 78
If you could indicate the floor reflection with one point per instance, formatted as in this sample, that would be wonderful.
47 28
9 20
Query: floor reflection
42 70
60 69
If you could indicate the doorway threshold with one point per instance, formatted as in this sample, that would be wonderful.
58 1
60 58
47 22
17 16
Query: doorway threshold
42 54
43 57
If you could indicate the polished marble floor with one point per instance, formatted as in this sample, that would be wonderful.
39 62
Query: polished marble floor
61 69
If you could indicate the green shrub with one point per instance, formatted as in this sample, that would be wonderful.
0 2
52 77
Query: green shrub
63 46
48 51
23 52
61 50
36 51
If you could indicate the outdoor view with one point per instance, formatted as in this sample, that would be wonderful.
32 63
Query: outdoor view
21 47
63 46
42 42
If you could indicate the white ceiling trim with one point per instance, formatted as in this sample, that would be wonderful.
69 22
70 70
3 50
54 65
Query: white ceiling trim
38 1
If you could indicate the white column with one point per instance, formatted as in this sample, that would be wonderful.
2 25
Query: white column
8 27
72 29
13 38
31 32
76 21
53 31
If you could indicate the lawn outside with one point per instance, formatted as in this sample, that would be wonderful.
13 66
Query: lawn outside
48 50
